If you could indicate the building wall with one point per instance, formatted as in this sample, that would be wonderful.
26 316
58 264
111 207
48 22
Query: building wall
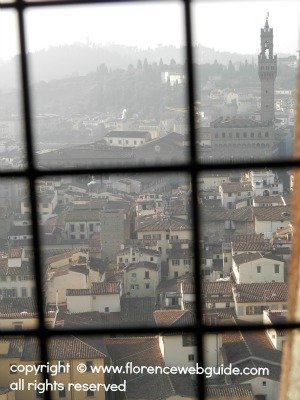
70 280
247 272
76 304
242 313
181 268
139 279
180 356
269 227
270 390
112 301
27 285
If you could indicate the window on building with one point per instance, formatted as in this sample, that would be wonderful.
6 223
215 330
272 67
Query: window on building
89 364
175 262
276 268
258 269
191 357
147 275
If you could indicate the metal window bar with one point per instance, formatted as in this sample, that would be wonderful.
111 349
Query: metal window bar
193 167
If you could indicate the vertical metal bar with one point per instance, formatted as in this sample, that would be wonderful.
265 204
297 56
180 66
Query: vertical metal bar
42 331
194 186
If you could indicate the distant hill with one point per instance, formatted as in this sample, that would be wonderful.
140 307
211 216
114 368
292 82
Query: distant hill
79 59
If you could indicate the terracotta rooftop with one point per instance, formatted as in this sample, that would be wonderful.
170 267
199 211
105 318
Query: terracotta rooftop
262 292
161 223
141 351
174 318
272 213
244 258
236 187
62 348
229 392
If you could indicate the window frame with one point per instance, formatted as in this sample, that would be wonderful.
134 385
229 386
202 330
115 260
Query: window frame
193 167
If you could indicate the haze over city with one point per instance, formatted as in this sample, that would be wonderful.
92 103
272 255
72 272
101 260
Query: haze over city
224 27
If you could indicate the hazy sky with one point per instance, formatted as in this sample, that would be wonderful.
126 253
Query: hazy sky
232 26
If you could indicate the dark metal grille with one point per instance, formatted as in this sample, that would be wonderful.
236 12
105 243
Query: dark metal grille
192 168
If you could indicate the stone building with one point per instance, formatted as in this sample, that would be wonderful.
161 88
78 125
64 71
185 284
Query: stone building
252 136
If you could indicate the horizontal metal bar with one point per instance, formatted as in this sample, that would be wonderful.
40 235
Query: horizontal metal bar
207 329
49 3
183 167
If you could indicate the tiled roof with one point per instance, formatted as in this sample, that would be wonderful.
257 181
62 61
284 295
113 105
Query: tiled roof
10 305
241 214
264 245
188 287
237 392
93 319
217 288
261 292
226 313
174 318
82 215
25 269
268 199
238 238
138 310
161 223
184 386
274 370
78 292
272 213
244 258
97 288
239 347
128 134
62 348
15 252
15 347
236 187
141 351
105 288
